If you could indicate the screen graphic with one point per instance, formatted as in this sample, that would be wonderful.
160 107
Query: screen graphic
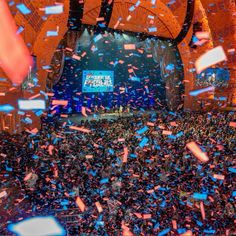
96 81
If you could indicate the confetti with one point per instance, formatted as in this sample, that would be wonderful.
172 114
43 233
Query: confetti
6 108
31 104
52 33
202 210
80 129
202 35
220 177
58 9
42 226
143 142
197 152
99 207
210 58
143 130
129 46
200 196
200 91
128 17
60 102
232 124
126 153
3 194
80 204
97 38
152 29
23 9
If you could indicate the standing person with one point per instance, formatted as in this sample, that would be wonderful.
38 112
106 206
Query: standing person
128 108
120 110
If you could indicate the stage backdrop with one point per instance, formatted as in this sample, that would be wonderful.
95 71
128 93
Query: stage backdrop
122 61
97 81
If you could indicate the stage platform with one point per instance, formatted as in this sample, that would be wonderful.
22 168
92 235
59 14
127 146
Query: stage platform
77 118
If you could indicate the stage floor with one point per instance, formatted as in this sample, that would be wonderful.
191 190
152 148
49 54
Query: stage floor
77 118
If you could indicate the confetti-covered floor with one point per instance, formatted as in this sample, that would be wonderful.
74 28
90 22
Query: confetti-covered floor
157 174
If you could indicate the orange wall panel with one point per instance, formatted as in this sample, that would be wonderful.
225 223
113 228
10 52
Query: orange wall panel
91 11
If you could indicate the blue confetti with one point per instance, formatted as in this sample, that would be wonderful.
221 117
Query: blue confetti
143 130
6 108
104 181
200 196
58 9
231 169
164 232
52 33
23 9
143 142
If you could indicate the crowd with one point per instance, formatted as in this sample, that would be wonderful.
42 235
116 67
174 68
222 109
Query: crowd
133 174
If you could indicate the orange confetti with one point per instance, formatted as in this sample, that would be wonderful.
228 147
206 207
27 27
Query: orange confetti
99 207
166 132
76 57
80 204
202 35
187 233
80 129
27 177
138 215
126 153
100 19
150 124
220 177
60 102
202 210
129 46
197 152
35 96
174 223
50 148
232 124
3 194
89 156
147 216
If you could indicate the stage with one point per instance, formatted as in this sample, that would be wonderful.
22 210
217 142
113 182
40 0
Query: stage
77 118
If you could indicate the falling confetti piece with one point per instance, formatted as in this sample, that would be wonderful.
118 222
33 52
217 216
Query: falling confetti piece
58 9
42 226
23 9
210 58
200 196
60 102
80 204
99 207
31 104
80 129
200 91
197 152
3 194
6 108
129 46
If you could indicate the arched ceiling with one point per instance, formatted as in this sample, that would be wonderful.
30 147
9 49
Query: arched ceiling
161 15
